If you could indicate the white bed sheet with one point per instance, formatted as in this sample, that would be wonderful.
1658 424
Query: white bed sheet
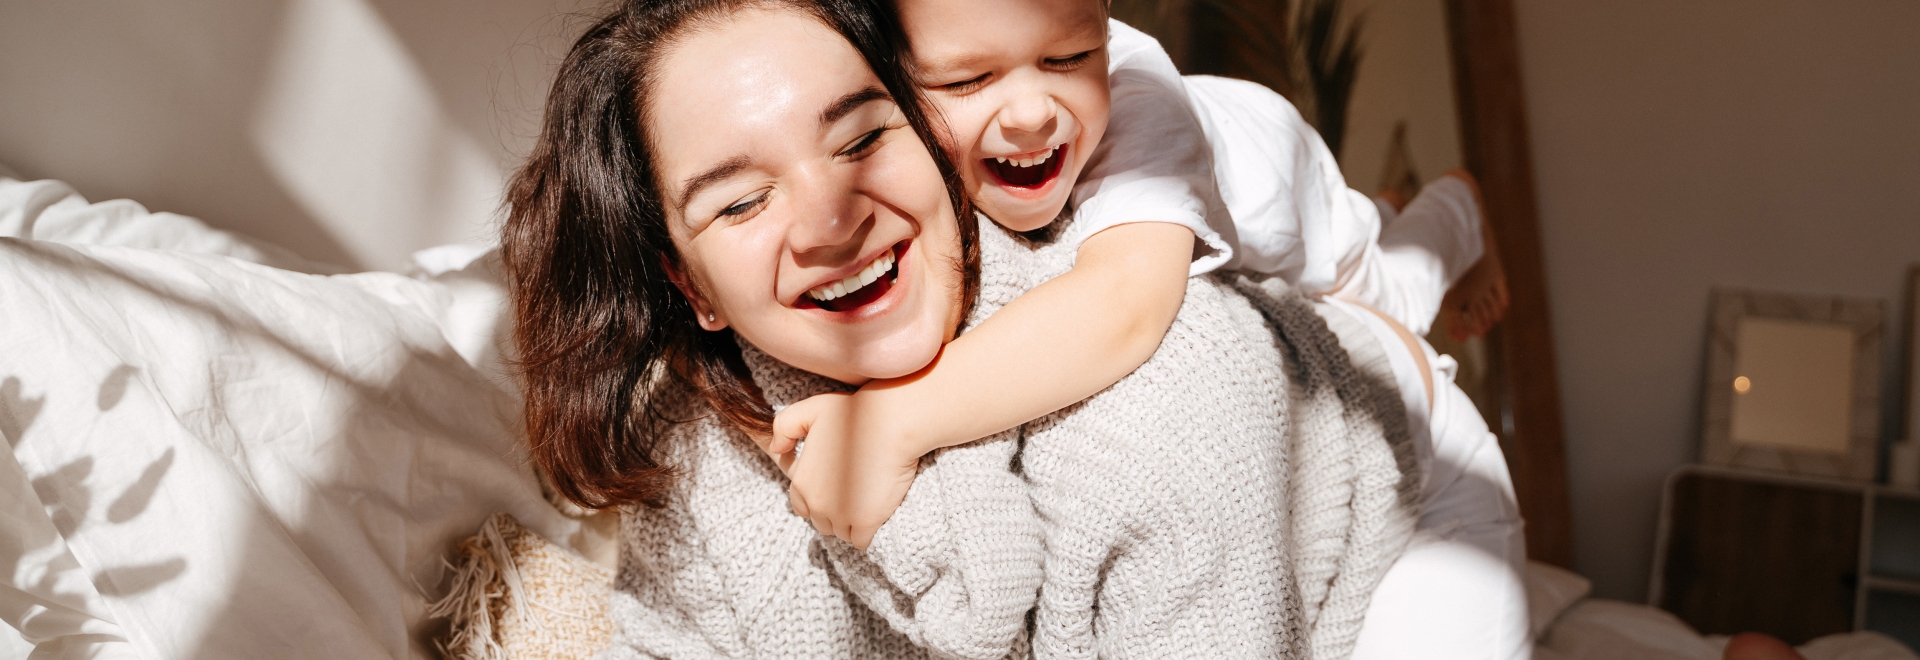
212 458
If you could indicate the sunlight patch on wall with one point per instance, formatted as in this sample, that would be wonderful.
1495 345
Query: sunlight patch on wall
350 125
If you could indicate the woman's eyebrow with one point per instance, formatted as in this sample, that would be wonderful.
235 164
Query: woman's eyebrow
713 175
847 104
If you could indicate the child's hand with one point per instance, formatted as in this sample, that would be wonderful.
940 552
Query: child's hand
851 474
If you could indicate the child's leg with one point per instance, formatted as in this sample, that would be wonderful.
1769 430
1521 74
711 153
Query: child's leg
1457 592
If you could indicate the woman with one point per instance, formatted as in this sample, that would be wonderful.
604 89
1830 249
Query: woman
704 165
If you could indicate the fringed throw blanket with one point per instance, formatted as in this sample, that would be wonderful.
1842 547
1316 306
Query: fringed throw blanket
517 596
1240 495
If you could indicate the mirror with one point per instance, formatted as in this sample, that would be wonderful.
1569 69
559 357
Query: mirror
1792 385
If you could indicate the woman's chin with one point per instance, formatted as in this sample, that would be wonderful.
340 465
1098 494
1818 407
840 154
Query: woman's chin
899 356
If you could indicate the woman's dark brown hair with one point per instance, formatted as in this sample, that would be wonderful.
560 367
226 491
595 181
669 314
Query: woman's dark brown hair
599 327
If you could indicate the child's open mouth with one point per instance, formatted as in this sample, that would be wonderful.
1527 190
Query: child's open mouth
1031 170
861 288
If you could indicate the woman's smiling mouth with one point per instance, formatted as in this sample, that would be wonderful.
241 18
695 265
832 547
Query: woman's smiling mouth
861 288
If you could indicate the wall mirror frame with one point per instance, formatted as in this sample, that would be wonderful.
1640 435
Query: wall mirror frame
1803 336
1910 342
1518 392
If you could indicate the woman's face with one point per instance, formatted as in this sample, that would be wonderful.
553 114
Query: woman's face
809 216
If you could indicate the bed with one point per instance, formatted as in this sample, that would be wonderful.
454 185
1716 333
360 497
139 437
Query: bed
140 346
1568 625
382 432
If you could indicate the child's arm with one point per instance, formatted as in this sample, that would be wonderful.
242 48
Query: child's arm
1061 342
1146 217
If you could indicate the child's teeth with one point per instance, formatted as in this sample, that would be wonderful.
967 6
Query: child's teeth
1027 162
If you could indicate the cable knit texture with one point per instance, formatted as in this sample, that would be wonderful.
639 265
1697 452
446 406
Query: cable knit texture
1238 496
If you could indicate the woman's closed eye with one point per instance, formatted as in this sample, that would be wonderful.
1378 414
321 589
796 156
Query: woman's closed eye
870 140
744 206
861 146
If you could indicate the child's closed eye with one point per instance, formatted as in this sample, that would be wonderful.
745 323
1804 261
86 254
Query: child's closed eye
963 86
1070 62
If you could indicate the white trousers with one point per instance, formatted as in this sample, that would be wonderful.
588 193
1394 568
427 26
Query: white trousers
1458 591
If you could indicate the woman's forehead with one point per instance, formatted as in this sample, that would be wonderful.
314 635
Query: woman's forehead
760 73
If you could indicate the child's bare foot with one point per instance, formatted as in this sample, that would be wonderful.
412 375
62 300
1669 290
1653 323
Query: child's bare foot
1478 299
1756 646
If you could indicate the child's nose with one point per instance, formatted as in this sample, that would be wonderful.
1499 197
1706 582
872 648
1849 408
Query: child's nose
1030 112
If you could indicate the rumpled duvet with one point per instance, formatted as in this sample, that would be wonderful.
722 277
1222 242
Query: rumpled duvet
214 458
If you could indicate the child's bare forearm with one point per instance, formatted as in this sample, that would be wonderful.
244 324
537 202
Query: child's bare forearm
1061 342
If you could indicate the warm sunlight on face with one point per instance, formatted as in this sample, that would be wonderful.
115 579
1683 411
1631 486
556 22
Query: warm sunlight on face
809 216
1022 86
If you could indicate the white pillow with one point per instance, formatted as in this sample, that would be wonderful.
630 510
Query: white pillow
240 461
50 210
1550 591
1601 629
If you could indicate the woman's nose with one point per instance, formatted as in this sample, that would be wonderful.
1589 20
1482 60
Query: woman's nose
831 214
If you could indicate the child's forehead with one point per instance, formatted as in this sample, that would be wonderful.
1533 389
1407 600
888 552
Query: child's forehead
954 31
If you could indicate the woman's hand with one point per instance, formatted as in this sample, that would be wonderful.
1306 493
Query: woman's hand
851 473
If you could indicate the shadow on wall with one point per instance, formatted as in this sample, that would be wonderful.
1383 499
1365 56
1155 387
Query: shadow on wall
350 131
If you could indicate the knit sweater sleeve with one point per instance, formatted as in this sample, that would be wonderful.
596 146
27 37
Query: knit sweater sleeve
957 567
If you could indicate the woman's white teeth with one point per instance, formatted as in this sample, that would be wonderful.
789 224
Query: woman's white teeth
858 281
1028 162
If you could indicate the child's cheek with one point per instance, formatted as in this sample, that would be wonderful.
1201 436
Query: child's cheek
1088 98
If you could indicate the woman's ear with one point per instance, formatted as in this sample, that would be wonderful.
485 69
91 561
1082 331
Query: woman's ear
702 310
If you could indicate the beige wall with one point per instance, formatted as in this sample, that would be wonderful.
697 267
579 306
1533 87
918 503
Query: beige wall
1405 75
352 131
1681 145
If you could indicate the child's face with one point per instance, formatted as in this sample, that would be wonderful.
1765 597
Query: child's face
1022 86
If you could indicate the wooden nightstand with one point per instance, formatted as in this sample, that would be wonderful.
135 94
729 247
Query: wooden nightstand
1793 557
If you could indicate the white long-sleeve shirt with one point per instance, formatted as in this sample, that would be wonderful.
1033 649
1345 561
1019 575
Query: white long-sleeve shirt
1237 164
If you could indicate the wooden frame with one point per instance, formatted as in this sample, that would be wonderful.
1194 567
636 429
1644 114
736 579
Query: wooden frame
1494 138
1911 345
1864 317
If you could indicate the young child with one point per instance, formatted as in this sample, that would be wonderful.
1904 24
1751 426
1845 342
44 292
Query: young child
1024 89
1052 108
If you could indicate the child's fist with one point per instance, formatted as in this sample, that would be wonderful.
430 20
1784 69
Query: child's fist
850 477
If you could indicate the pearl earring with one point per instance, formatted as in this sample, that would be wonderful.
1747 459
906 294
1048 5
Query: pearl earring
709 317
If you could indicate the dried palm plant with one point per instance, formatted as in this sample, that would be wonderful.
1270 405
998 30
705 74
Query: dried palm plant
1329 57
1307 54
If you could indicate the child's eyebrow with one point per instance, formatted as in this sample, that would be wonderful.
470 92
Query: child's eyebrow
950 64
1090 29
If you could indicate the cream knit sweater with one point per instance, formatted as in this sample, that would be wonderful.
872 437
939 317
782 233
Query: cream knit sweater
1238 496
